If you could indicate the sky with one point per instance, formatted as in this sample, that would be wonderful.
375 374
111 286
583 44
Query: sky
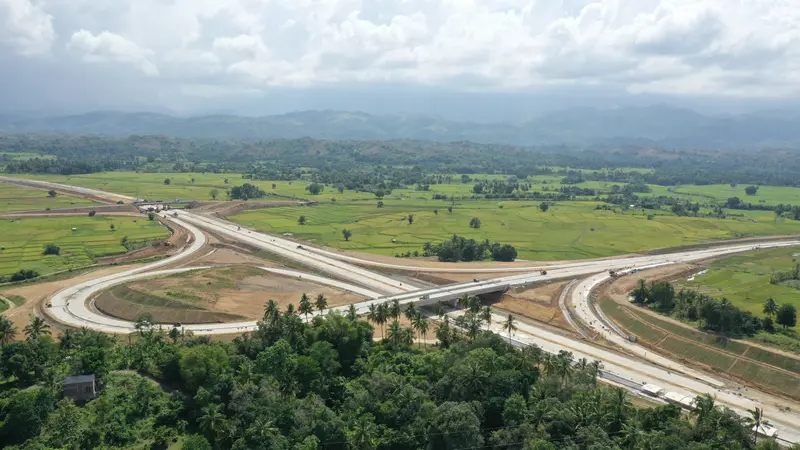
444 56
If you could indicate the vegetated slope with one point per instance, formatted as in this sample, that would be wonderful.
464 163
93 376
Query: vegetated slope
656 124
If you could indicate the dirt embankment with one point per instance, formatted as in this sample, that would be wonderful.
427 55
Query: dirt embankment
214 295
178 238
539 304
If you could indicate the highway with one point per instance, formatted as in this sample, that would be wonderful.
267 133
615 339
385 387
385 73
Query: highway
70 305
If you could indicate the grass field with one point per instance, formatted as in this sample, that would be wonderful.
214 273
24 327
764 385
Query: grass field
744 279
771 195
570 230
23 241
13 198
706 349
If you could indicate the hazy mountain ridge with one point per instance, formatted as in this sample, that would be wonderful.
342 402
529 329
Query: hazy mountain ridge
660 124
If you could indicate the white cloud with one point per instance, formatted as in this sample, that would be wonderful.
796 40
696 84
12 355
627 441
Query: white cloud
26 27
108 46
743 47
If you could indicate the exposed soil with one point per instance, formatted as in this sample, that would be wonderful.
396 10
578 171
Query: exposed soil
539 303
240 290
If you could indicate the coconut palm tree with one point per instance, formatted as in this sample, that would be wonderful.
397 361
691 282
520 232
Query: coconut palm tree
7 331
306 307
770 307
351 313
486 316
420 323
411 312
704 407
290 309
756 421
37 328
510 326
399 336
394 309
382 317
362 432
321 303
372 315
212 420
439 309
640 293
631 435
271 312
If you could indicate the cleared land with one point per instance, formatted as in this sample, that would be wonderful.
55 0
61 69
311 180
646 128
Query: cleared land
569 230
756 366
22 241
13 198
745 279
222 294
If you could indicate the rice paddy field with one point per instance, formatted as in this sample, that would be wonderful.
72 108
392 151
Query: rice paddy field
745 279
13 198
22 241
151 186
569 230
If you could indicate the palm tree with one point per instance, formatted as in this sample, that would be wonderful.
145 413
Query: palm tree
66 340
38 327
306 307
486 316
271 312
212 419
372 315
756 421
704 407
7 331
640 293
361 434
394 309
420 323
632 434
397 335
321 303
439 309
411 312
382 317
770 307
351 313
290 309
510 326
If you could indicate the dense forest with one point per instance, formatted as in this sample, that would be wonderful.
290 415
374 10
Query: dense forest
327 385
367 162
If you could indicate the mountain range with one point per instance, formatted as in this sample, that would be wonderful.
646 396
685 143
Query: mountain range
651 125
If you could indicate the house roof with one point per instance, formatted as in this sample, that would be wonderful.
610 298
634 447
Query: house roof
79 379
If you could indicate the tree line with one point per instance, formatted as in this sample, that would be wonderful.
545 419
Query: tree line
326 383
715 315
459 248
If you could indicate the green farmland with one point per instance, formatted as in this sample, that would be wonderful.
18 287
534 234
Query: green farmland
23 241
744 279
569 230
13 198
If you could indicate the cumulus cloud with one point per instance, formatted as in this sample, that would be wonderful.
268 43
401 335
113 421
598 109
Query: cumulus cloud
742 48
108 46
26 27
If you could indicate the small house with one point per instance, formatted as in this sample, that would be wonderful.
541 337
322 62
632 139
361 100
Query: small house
80 387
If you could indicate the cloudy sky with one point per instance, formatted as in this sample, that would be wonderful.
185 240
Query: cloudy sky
240 55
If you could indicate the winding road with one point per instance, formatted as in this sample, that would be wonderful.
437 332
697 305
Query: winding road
70 306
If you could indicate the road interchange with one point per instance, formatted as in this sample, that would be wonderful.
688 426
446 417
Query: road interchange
71 305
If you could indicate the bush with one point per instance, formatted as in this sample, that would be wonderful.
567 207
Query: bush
24 274
475 223
52 249
52 193
151 216
92 213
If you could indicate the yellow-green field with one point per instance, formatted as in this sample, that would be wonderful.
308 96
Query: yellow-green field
22 241
744 279
570 230
13 198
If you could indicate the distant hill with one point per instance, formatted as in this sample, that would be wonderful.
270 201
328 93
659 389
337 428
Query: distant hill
656 125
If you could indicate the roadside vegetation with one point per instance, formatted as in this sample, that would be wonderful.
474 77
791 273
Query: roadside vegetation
292 385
